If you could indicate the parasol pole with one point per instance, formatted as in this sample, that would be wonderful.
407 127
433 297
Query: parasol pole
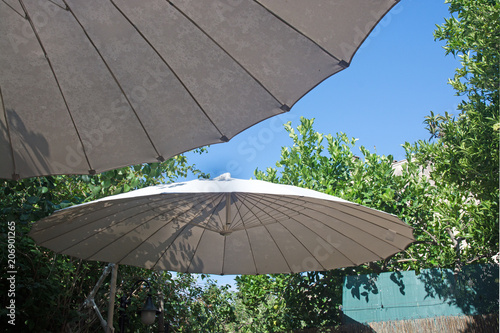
112 295
161 319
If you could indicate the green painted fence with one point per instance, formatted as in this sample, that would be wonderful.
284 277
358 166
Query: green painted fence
433 293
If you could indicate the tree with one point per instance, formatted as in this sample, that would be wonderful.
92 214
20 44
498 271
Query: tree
259 303
466 149
194 308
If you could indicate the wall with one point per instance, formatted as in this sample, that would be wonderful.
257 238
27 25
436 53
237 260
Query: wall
433 293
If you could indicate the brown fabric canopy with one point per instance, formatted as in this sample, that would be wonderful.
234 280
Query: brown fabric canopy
88 86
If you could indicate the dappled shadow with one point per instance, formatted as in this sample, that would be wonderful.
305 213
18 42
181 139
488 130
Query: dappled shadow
435 297
26 144
474 289
397 278
362 286
139 233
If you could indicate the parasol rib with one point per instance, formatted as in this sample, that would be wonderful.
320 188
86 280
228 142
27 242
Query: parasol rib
4 112
228 210
198 244
216 202
15 10
115 80
223 256
339 60
274 241
249 242
369 212
340 233
169 67
152 234
58 5
312 255
112 225
357 217
343 62
57 82
230 55
182 229
128 218
56 226
347 223
195 250
298 240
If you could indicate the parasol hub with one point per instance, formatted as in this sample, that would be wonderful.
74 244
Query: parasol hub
226 232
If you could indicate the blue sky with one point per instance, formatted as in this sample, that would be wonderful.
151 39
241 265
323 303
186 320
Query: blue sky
396 78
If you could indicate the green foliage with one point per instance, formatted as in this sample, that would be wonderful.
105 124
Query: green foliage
451 228
194 308
191 303
260 304
466 152
463 152
312 299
